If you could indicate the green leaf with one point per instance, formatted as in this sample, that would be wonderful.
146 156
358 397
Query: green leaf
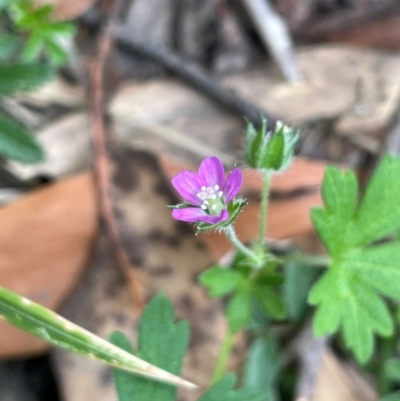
271 279
239 310
339 192
49 326
162 343
270 302
392 369
392 397
43 33
379 211
220 280
297 284
33 47
262 367
17 143
345 299
8 46
22 77
349 294
61 28
223 391
56 53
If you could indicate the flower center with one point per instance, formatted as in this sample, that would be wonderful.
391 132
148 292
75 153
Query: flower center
212 199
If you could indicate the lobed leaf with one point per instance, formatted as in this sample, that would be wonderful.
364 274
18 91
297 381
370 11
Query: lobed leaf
220 280
223 391
392 369
349 294
391 397
379 211
262 367
296 286
239 310
162 343
8 46
270 302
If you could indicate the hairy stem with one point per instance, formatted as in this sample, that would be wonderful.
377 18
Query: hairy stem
263 211
223 357
231 234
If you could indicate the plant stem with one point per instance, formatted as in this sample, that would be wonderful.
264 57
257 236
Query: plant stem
231 234
223 356
263 211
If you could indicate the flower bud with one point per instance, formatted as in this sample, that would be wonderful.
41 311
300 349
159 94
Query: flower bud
270 150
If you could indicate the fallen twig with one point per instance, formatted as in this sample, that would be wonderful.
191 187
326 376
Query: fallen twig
196 77
98 131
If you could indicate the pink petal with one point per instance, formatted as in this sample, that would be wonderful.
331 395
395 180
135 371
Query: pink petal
212 171
233 184
188 185
196 215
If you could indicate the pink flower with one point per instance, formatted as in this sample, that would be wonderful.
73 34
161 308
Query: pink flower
207 192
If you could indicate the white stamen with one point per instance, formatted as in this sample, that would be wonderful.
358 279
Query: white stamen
204 207
213 207
206 202
213 196
203 188
220 193
216 187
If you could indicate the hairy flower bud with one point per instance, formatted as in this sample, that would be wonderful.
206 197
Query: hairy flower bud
270 150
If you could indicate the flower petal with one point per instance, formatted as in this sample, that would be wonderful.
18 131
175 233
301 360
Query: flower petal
188 184
212 171
197 215
233 184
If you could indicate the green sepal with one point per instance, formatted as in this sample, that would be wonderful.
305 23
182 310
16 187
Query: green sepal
277 150
254 139
182 205
234 208
270 150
